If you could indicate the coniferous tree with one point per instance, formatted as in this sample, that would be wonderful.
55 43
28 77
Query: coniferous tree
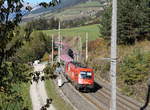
133 21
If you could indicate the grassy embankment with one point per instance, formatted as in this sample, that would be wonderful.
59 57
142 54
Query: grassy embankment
58 102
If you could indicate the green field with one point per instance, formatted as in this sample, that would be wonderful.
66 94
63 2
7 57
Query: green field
92 30
90 4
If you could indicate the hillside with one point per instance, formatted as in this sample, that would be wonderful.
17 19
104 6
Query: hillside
88 9
67 9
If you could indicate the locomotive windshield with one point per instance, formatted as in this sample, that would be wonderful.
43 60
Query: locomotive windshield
85 75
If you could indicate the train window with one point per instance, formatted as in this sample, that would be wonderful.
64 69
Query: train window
85 75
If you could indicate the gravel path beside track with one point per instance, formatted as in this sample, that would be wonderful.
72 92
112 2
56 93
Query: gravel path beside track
38 92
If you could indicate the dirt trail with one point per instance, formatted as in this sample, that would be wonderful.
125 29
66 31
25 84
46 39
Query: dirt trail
38 92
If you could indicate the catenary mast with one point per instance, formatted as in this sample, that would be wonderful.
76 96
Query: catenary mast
113 54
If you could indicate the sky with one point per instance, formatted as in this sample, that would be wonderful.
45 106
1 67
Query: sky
34 2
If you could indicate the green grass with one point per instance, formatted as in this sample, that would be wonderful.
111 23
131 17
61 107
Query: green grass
93 32
23 90
58 102
26 94
90 4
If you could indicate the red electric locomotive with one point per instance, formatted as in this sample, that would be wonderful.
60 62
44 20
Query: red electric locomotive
81 77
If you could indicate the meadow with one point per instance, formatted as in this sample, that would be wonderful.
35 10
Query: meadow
92 30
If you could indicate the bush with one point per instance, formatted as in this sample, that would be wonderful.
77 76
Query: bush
49 70
135 67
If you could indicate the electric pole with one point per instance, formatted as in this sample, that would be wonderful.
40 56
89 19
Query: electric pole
86 46
59 42
52 49
80 47
113 54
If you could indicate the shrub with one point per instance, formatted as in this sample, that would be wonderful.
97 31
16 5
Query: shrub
135 67
49 70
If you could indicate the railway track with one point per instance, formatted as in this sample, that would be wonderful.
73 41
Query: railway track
100 99
76 99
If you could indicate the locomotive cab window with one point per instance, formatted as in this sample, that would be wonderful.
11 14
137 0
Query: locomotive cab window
85 75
